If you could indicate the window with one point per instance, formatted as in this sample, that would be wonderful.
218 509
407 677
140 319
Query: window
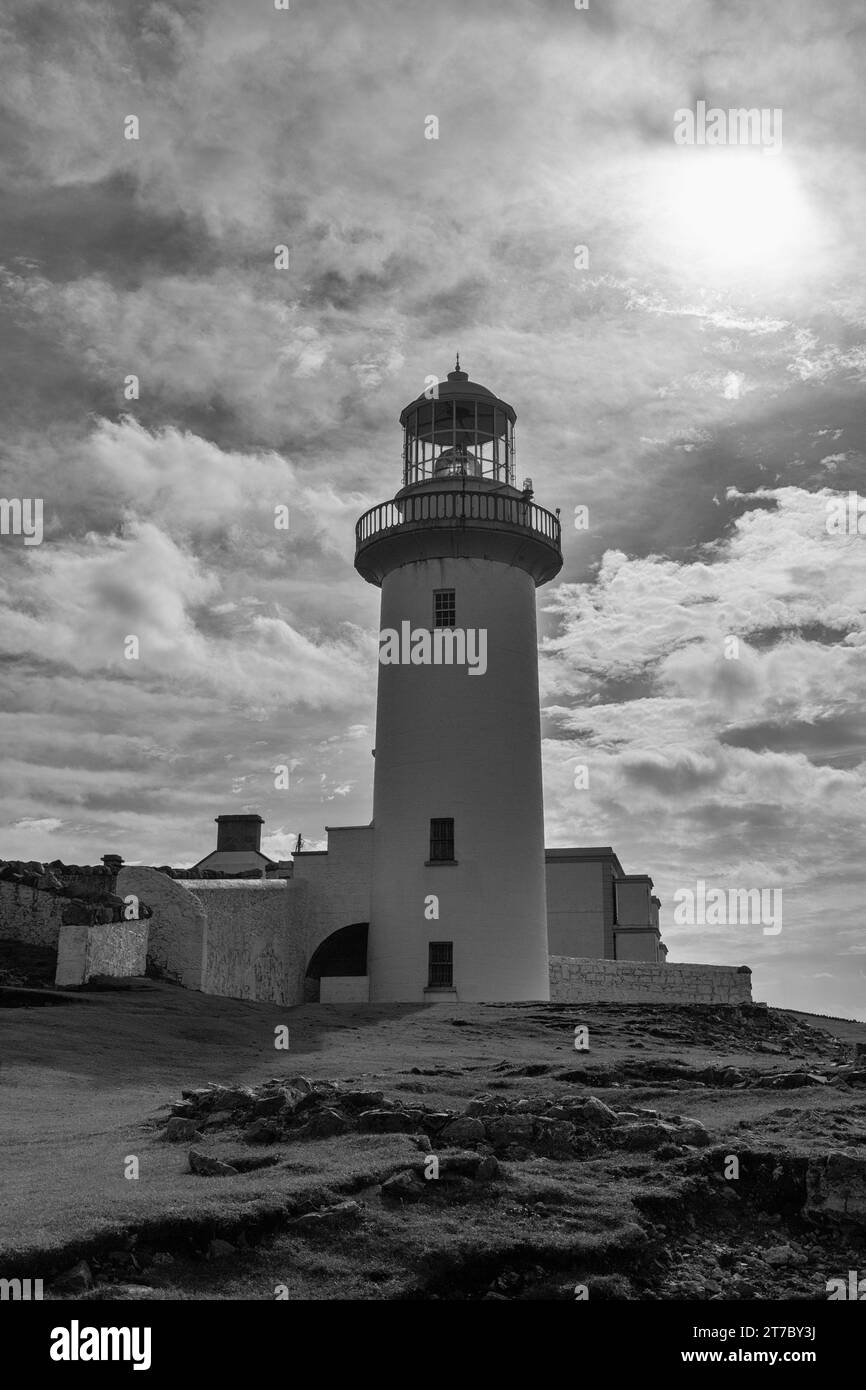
441 840
444 608
441 964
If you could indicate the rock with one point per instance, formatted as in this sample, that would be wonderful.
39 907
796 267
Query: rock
197 1094
300 1084
402 1187
510 1129
554 1136
363 1100
484 1105
178 1130
836 1186
75 1280
774 1048
344 1213
162 1257
326 1124
779 1255
218 1249
435 1119
463 1130
478 1167
269 1105
260 1132
386 1122
594 1112
691 1132
236 1098
643 1136
206 1167
488 1169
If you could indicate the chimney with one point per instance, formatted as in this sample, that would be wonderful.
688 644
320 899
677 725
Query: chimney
236 833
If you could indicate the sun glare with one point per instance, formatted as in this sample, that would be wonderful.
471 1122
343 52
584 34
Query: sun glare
732 211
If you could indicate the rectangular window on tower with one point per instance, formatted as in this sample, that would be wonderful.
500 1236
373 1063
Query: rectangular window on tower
441 963
441 841
444 608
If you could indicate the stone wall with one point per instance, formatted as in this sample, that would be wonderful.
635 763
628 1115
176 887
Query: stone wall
581 981
176 937
255 937
30 914
113 948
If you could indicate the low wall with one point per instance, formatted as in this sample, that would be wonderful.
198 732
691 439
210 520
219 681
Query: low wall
255 937
110 948
580 981
31 915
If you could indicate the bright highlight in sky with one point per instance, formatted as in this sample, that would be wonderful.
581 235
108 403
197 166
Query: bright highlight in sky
726 212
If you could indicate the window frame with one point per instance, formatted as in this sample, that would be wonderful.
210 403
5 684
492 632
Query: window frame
452 608
437 841
445 965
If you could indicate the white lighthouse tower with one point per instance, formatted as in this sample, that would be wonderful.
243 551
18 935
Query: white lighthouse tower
458 901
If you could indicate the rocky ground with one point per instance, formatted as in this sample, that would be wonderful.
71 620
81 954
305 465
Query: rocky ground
663 1162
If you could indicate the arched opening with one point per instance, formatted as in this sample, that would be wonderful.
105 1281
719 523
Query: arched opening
342 955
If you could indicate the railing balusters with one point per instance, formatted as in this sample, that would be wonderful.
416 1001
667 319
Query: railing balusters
450 504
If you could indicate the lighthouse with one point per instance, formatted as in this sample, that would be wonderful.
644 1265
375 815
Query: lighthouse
458 908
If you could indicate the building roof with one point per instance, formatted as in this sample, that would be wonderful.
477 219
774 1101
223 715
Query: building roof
457 386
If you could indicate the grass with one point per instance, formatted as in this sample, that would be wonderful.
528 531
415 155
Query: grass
84 1085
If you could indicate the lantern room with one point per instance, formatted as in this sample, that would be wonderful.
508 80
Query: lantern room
458 430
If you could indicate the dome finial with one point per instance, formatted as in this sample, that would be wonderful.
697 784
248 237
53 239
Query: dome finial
457 363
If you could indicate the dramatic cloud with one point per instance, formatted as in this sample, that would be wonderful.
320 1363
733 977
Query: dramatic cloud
695 381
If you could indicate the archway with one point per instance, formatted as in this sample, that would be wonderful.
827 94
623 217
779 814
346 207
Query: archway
343 953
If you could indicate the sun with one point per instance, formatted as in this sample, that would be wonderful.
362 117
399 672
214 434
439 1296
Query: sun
732 211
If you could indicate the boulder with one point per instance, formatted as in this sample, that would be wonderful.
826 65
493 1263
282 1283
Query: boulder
836 1186
650 1135
233 1098
463 1130
554 1136
327 1123
478 1167
510 1129
691 1132
363 1100
206 1167
179 1130
387 1122
261 1131
402 1187
270 1104
593 1112
343 1214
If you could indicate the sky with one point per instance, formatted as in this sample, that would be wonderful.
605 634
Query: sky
694 379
